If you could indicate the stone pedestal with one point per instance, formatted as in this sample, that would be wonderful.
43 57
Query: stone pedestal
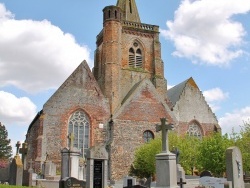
166 170
70 163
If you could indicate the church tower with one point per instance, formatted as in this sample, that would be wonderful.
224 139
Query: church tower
127 52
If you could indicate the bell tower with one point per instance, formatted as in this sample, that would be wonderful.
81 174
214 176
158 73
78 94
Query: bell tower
127 51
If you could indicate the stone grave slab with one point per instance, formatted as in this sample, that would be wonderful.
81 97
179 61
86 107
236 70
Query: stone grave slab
71 183
212 182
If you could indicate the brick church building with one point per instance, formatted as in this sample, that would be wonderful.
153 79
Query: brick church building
119 102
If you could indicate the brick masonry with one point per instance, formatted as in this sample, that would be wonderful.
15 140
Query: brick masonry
137 99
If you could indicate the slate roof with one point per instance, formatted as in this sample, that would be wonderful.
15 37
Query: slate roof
175 92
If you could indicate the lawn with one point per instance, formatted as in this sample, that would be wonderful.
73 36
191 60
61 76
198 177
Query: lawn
11 186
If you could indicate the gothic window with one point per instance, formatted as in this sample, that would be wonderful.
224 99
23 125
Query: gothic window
147 136
135 56
194 130
79 125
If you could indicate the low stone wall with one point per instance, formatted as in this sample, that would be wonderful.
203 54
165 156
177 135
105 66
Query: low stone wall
4 174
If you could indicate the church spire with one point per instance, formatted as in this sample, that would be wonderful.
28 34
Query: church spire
129 8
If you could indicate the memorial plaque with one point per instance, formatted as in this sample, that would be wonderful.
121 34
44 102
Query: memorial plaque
98 174
71 183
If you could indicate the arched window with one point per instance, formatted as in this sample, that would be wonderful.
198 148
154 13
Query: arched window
194 130
79 125
147 136
135 56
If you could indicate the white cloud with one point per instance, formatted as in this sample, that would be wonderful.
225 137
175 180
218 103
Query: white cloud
233 121
36 55
214 97
205 32
215 94
14 110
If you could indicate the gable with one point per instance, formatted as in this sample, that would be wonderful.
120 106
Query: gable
192 105
79 88
144 104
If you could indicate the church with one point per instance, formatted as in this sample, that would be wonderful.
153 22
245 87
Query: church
118 102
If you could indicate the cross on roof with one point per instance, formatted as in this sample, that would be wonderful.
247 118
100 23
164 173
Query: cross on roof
164 127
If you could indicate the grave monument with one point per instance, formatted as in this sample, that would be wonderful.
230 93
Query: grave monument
165 161
97 167
16 168
234 167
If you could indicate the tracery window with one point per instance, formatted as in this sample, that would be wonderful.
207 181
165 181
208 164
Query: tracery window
194 130
135 56
79 125
147 136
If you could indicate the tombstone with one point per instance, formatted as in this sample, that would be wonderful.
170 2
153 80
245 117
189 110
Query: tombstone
180 169
70 163
166 175
16 169
71 183
208 181
129 181
97 167
206 173
49 169
234 167
23 152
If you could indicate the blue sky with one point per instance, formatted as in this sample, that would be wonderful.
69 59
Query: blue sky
42 42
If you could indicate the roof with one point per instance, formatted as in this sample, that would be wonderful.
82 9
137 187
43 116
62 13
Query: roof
175 92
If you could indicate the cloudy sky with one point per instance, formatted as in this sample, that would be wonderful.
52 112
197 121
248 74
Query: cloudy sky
43 41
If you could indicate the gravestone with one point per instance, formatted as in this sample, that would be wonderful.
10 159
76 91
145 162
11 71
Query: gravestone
180 169
234 167
206 173
70 163
129 181
212 182
97 167
166 172
71 183
16 169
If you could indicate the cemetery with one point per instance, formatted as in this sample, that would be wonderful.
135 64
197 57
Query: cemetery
93 172
88 132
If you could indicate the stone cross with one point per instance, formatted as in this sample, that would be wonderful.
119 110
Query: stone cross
164 127
181 183
71 139
18 144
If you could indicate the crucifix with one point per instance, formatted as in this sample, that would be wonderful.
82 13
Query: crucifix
71 139
164 127
18 144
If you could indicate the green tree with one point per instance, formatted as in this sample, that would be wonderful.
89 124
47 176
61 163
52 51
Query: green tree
5 147
144 160
188 150
212 153
144 163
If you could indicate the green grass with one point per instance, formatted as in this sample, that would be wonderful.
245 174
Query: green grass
11 186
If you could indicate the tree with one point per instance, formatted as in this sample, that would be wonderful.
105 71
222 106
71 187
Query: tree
212 155
144 163
144 160
5 147
188 148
